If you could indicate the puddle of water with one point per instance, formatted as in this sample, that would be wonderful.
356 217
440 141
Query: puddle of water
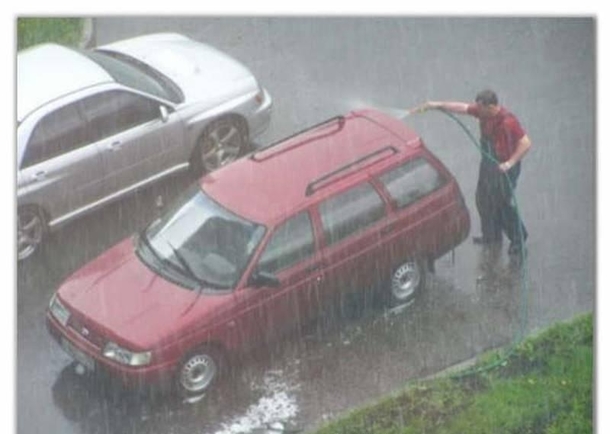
276 406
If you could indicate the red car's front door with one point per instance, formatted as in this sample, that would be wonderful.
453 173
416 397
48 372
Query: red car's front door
291 256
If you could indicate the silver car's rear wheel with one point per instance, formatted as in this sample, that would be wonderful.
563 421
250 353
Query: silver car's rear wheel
30 231
199 371
222 143
407 281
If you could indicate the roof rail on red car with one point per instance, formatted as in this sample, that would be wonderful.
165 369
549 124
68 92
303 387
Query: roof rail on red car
344 171
256 156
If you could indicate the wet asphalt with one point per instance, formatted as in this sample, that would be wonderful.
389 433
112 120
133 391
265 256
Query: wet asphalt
316 67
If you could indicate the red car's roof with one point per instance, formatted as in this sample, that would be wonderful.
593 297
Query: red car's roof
273 183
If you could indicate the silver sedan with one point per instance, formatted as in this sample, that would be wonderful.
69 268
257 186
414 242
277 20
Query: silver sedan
95 125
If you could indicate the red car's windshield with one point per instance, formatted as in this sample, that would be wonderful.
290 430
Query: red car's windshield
208 243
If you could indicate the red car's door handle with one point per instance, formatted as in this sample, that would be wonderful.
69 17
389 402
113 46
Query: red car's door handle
388 229
313 268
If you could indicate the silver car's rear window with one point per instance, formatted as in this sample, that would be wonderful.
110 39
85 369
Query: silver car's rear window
137 75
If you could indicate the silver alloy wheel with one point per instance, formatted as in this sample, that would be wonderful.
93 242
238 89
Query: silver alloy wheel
198 372
221 145
30 229
406 280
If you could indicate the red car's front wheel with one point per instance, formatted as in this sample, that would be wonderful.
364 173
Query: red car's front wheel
200 370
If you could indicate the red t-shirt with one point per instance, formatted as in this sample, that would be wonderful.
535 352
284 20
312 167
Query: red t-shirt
503 130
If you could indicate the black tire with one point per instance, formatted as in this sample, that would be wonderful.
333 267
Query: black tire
200 370
31 230
222 142
406 282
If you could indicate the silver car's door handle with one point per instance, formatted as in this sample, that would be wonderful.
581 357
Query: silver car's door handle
114 146
38 176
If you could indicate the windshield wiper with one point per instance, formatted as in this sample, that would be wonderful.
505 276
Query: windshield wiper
186 267
146 241
191 274
164 262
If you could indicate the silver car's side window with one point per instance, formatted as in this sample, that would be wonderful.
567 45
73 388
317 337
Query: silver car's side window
110 113
57 133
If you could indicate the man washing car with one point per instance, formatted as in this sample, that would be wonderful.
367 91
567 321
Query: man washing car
502 138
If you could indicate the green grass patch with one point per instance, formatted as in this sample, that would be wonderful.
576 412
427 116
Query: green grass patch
543 386
32 31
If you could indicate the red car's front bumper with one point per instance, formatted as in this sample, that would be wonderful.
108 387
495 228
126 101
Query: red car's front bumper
91 357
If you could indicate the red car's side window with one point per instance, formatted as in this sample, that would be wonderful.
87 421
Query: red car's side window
412 181
290 244
350 212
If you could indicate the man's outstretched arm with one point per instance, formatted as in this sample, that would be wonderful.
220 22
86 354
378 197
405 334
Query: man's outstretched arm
452 106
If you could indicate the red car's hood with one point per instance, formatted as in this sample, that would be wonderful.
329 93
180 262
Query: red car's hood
123 298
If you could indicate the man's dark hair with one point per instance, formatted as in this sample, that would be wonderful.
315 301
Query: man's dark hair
487 97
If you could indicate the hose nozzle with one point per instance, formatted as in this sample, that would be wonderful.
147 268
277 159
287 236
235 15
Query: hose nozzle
417 110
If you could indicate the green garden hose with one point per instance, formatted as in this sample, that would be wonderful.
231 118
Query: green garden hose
520 334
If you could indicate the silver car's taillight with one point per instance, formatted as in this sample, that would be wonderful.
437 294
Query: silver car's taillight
260 96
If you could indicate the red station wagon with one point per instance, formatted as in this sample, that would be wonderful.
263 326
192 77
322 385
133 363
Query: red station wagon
258 247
